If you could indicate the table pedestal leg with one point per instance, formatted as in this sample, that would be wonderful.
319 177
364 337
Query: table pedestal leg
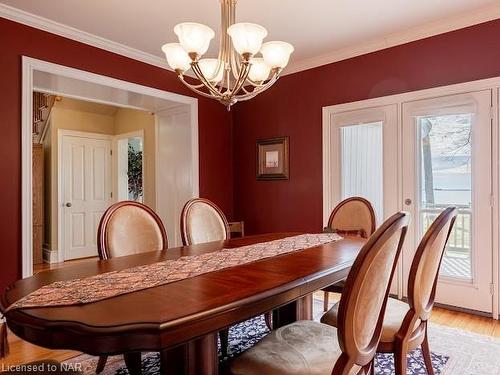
300 309
133 362
198 357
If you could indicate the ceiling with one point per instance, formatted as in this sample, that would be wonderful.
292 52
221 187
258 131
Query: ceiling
318 29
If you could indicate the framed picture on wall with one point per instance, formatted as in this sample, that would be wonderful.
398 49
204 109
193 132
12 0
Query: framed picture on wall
272 159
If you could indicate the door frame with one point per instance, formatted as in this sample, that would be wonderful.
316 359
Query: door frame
460 88
61 133
30 66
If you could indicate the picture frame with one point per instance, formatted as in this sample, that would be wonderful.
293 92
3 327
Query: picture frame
272 159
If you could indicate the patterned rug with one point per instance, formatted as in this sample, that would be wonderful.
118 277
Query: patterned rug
247 334
454 352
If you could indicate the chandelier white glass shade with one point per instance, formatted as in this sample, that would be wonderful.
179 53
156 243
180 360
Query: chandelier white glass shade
237 74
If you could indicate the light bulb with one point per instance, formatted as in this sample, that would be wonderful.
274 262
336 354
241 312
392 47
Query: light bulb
276 54
177 58
194 37
247 37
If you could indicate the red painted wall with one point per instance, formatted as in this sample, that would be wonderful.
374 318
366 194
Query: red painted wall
293 108
215 135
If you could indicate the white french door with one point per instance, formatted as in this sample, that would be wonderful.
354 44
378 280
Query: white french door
446 161
86 185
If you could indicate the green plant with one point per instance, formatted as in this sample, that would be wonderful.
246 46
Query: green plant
134 173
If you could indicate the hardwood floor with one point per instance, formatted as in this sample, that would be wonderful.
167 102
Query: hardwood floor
23 352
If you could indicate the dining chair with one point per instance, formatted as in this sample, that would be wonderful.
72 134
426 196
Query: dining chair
405 324
128 228
353 216
203 221
308 347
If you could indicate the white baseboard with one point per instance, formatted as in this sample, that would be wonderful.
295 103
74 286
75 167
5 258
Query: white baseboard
50 255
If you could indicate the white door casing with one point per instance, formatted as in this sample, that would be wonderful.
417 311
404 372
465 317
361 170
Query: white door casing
78 84
86 186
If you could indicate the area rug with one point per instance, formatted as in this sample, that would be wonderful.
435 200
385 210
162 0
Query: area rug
454 352
247 334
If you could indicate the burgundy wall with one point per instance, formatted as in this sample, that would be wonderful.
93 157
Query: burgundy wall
215 135
293 108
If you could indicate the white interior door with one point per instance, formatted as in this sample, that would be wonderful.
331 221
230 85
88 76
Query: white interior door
363 148
447 162
86 192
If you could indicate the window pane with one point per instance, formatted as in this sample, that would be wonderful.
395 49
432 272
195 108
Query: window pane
446 179
361 158
134 172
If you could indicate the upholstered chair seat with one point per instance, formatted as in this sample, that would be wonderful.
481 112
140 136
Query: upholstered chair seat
395 313
303 347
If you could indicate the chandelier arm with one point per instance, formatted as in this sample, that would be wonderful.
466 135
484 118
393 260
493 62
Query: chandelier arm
195 88
257 90
242 78
197 71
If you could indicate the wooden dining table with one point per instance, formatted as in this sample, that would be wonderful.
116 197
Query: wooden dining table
180 319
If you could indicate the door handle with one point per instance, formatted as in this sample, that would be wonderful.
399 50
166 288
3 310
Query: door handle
68 204
408 201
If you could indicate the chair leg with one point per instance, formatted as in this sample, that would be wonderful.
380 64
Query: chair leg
268 316
325 301
426 353
101 364
400 363
224 341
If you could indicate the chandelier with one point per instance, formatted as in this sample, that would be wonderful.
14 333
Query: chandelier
237 74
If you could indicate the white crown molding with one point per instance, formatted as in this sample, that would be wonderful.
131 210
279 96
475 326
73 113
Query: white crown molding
69 32
420 32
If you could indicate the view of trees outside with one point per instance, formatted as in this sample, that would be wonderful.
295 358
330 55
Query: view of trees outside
134 173
446 179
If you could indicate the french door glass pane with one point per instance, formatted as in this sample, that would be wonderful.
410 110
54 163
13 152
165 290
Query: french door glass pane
361 163
446 179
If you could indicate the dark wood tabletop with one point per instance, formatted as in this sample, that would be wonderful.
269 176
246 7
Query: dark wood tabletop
163 317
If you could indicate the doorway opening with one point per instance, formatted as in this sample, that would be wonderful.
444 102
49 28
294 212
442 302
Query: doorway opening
99 141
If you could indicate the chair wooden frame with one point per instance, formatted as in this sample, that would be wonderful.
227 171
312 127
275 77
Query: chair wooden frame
408 337
224 333
102 235
365 356
338 287
104 254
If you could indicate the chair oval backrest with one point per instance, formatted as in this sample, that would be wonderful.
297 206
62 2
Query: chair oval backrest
202 221
425 266
353 214
128 228
364 299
